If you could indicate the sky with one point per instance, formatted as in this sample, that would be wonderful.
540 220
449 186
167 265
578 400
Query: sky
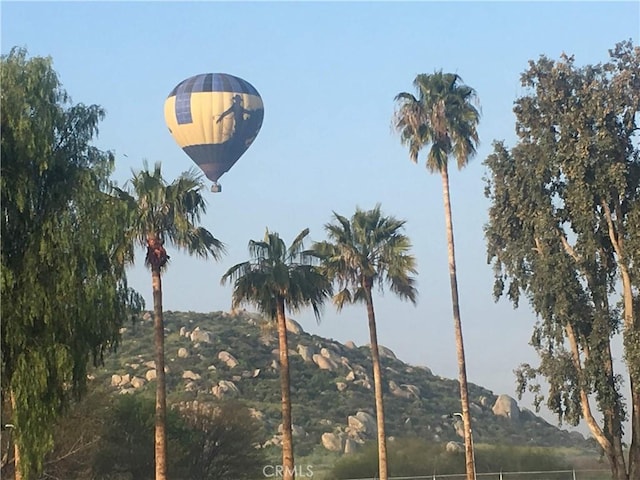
327 73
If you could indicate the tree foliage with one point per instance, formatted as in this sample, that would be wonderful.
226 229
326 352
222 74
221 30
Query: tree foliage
277 272
415 457
206 443
223 443
367 250
161 212
64 289
563 233
443 115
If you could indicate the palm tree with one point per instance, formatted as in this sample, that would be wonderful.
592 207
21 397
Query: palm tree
274 279
161 212
362 252
444 116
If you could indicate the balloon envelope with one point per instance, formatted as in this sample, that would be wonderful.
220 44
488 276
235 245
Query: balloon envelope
214 117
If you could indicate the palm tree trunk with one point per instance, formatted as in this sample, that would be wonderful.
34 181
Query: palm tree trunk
457 323
161 387
377 385
16 449
285 386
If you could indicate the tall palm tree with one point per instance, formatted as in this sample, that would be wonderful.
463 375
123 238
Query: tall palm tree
275 279
161 212
367 250
444 115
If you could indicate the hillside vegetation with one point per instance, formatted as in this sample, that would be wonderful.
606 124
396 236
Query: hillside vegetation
216 356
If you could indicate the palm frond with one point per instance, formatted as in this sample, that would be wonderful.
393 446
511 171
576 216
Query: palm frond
238 270
365 249
342 298
275 272
297 245
360 295
443 116
169 212
198 241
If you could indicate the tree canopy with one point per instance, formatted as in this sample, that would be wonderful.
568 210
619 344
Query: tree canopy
277 273
367 250
563 233
443 115
64 289
160 212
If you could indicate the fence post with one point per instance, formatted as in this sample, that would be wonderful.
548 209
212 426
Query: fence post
574 474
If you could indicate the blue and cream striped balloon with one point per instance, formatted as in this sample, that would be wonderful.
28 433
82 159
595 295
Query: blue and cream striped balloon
214 117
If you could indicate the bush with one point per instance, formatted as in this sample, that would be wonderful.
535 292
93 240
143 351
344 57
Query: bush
210 443
415 457
126 447
223 445
506 458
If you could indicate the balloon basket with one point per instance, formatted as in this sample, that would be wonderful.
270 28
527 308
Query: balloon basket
216 188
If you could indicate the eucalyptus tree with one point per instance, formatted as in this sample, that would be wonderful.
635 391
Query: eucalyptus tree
277 278
444 116
563 232
63 283
365 251
160 212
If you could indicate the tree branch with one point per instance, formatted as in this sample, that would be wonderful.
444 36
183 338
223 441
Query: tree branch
596 430
568 248
627 294
584 398
75 448
611 229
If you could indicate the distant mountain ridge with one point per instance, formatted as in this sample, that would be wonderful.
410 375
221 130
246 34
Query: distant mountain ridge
234 356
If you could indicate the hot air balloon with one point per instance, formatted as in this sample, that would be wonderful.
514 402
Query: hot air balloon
214 117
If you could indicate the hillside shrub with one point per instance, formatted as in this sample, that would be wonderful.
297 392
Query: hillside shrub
105 437
415 457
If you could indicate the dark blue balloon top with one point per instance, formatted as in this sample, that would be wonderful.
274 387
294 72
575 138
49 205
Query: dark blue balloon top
214 82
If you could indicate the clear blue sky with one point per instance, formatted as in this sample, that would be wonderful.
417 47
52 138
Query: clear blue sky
328 73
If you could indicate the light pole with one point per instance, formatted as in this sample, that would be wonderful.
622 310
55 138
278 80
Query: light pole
473 450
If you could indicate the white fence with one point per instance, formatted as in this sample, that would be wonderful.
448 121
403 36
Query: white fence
541 475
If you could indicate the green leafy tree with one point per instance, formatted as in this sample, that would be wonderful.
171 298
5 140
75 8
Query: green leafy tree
444 116
277 278
159 212
563 232
63 283
362 252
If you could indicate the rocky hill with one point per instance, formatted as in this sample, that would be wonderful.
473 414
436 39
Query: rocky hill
217 355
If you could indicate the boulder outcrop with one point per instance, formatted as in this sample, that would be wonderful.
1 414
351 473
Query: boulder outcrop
506 406
229 360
